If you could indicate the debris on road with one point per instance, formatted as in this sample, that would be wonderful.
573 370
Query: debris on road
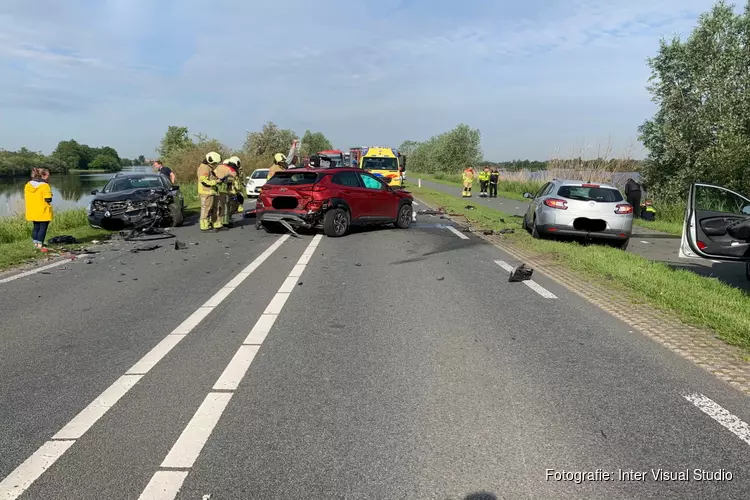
178 245
430 211
289 228
470 207
488 232
441 278
507 231
145 248
62 240
520 273
358 264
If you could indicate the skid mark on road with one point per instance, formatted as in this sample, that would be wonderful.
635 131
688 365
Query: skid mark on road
28 472
165 485
529 283
718 413
43 268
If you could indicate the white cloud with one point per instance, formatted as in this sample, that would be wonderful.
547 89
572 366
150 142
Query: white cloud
532 75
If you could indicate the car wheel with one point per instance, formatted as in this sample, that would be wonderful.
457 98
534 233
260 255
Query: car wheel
336 223
403 220
176 217
525 223
535 231
622 245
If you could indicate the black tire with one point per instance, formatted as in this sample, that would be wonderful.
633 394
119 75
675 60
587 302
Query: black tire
621 245
404 216
336 223
176 216
525 224
535 231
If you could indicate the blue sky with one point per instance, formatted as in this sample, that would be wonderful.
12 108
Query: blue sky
537 77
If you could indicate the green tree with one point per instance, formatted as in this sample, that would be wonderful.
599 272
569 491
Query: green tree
313 142
141 160
174 140
125 162
701 130
261 146
108 151
450 152
408 147
105 162
69 152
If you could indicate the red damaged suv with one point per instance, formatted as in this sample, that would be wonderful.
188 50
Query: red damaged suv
334 198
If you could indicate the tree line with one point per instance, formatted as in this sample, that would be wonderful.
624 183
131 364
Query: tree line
68 155
182 151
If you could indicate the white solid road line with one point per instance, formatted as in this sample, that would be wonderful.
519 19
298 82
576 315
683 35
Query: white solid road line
24 476
43 268
165 485
529 283
456 232
718 413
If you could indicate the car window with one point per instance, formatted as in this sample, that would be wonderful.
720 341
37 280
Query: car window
260 174
292 178
549 189
711 199
349 179
587 193
371 182
373 163
542 189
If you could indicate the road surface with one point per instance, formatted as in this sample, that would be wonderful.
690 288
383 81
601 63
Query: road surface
645 242
387 364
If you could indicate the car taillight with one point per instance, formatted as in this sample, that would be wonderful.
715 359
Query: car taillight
701 245
624 208
555 203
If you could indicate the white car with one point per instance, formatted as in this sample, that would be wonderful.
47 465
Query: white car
255 181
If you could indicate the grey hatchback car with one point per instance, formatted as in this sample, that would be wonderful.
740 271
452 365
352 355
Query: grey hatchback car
580 209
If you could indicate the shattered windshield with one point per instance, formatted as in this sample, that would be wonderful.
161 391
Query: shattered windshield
126 183
371 163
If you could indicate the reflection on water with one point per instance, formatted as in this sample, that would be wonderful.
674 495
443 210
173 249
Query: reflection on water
68 190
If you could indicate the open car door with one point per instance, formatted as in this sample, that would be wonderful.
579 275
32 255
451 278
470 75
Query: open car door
717 224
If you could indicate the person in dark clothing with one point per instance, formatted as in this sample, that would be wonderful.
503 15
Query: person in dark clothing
165 171
633 196
494 178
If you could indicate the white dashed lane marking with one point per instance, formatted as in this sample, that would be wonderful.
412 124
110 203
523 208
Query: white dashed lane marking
718 413
42 459
41 269
165 485
529 283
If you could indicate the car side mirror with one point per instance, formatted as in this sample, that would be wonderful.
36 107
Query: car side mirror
746 210
175 187
528 195
95 191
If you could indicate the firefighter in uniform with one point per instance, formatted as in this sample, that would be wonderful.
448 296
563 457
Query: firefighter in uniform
279 164
484 182
468 178
225 176
207 189
236 200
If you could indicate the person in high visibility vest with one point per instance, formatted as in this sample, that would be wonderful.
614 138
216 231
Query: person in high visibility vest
207 189
648 212
468 178
225 174
484 182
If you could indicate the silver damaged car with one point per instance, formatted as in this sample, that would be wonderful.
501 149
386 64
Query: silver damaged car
580 209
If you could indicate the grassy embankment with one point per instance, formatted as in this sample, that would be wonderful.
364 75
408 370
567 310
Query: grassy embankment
15 232
696 300
512 185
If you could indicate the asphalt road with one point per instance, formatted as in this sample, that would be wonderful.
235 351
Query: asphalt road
654 245
387 364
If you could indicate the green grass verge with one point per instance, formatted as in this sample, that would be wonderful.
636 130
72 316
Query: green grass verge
670 216
698 301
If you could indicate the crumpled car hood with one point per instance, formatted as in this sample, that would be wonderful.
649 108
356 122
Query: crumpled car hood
140 194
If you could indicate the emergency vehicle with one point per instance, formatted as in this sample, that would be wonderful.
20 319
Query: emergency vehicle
382 162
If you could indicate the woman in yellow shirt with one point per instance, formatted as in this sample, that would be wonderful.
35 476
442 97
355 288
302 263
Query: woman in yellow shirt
38 197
